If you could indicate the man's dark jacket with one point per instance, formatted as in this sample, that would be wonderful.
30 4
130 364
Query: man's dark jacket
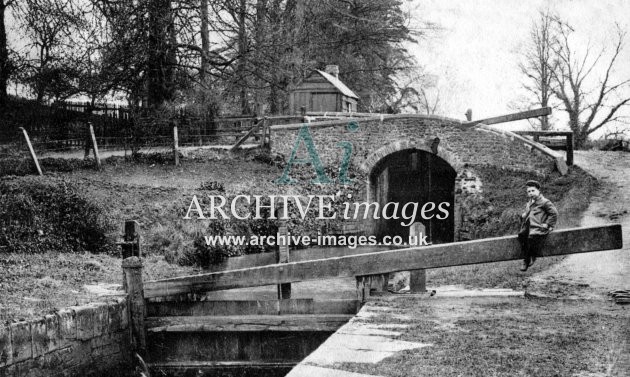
542 215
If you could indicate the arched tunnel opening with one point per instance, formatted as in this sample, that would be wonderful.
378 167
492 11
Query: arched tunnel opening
414 176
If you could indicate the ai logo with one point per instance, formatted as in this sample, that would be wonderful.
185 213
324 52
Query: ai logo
304 135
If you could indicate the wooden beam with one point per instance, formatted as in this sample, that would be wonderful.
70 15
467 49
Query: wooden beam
252 307
175 145
97 156
32 151
212 365
512 117
132 268
246 136
418 278
264 259
560 242
282 256
544 133
568 140
294 322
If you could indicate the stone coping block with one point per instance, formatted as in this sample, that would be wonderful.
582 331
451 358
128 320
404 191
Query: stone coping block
72 338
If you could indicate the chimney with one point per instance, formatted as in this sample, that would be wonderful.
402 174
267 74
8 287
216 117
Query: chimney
333 70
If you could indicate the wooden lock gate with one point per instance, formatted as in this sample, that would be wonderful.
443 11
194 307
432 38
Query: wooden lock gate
177 328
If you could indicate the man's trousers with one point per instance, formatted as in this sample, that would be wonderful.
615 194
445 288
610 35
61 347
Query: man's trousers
531 246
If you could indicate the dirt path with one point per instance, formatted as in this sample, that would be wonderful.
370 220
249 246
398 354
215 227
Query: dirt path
592 275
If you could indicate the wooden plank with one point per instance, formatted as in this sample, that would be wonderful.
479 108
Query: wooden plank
294 322
544 133
567 241
251 307
205 365
263 259
246 136
513 117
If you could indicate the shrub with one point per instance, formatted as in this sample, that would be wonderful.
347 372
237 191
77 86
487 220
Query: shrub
38 216
205 255
22 166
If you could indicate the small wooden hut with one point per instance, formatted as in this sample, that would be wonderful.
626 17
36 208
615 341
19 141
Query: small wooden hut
323 91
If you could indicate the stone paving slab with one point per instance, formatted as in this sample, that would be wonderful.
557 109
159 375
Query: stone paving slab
355 342
312 371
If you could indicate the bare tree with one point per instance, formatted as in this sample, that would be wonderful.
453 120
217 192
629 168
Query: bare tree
589 108
50 26
539 62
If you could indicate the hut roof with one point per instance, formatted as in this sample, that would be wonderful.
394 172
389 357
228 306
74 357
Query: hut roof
338 84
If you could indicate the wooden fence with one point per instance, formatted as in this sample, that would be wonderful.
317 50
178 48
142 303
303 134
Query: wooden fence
63 126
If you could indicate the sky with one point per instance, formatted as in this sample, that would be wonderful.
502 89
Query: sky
476 53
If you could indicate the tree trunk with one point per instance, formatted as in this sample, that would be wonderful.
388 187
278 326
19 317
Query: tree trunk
242 63
5 65
205 42
161 53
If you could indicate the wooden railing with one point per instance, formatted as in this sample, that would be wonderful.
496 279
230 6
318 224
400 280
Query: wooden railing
545 138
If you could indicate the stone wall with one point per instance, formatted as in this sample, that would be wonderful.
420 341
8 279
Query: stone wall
89 340
459 145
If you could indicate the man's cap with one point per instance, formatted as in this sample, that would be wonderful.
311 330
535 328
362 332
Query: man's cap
533 184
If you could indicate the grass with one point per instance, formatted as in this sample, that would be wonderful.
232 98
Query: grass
156 193
503 337
32 285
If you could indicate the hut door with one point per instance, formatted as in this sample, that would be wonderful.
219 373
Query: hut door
324 102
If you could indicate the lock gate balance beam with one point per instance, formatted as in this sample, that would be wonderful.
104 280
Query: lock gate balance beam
560 242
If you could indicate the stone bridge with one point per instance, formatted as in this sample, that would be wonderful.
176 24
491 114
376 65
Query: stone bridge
417 158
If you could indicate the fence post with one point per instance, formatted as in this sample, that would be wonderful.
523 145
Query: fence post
30 148
570 149
417 278
131 240
263 134
468 115
132 269
175 145
97 157
282 256
305 119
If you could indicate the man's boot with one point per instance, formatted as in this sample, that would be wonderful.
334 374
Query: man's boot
524 266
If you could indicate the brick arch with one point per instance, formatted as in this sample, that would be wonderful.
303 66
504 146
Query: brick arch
375 157
372 165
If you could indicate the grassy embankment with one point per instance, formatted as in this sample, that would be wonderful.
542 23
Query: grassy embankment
157 194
